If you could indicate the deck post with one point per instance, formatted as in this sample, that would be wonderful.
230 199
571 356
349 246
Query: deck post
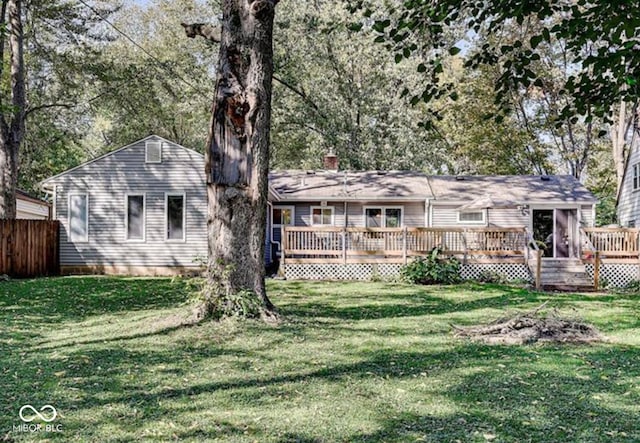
404 245
596 270
538 276
283 242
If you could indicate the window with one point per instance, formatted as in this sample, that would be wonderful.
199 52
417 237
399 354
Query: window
175 217
321 215
79 217
134 216
631 224
636 176
282 215
383 217
471 217
153 152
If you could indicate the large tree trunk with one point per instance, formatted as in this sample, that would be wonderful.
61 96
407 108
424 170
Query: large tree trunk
237 162
12 120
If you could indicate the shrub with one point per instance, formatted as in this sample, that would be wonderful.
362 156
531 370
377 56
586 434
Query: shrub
492 277
432 269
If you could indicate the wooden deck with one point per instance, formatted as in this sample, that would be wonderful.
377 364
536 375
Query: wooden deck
612 245
399 245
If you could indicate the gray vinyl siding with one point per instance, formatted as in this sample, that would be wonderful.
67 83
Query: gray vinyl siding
586 216
629 200
106 181
447 216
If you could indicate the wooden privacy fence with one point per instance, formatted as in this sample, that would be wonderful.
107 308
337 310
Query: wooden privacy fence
29 248
397 245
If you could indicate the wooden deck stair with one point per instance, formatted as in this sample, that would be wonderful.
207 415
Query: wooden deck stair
565 274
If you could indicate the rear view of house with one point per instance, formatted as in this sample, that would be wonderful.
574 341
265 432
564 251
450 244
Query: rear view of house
140 209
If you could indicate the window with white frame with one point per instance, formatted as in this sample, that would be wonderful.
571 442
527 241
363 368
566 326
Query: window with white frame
636 176
383 217
175 217
79 217
281 216
153 151
322 215
471 217
134 216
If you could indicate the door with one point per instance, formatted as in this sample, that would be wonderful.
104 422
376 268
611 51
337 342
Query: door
555 232
542 223
566 235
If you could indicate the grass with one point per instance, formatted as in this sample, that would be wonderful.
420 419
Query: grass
353 362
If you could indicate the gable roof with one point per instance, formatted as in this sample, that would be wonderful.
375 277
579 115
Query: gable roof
45 181
506 190
502 190
330 185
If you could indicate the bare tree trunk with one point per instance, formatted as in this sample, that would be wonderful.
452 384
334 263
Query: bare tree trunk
237 162
12 120
618 143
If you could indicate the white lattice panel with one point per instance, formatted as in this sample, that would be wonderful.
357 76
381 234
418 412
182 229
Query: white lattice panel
350 271
615 275
511 271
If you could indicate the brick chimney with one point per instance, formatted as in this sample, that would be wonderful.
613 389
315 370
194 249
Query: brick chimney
331 162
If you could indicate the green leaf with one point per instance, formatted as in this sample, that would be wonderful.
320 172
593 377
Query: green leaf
454 50
422 67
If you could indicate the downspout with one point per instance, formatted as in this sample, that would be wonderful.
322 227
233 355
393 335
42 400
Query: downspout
270 226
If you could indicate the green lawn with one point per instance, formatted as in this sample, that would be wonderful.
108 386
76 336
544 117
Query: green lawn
372 362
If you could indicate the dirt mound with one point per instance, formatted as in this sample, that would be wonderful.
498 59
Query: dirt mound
531 327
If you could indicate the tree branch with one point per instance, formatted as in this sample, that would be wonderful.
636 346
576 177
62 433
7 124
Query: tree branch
50 105
206 31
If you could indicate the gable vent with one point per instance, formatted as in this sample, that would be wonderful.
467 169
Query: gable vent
153 152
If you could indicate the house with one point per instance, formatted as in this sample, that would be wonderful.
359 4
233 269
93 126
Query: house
628 202
140 209
494 218
555 206
29 207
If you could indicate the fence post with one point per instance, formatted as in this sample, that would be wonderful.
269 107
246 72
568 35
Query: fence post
404 245
539 270
344 245
596 271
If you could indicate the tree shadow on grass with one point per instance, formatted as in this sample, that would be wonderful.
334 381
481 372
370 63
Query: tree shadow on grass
47 301
531 393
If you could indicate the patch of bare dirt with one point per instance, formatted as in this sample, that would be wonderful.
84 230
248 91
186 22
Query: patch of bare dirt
531 327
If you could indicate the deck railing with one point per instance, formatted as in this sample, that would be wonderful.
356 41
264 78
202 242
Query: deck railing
398 245
614 243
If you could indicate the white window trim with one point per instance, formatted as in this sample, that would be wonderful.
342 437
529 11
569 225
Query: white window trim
635 177
166 217
84 239
467 222
293 217
333 215
146 150
144 217
384 218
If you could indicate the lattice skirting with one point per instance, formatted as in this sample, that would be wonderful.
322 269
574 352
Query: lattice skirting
615 275
510 271
337 271
365 271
